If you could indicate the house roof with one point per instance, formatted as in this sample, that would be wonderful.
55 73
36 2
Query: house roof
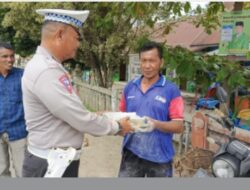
205 39
185 34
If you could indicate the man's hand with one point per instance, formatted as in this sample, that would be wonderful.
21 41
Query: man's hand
126 126
101 112
144 125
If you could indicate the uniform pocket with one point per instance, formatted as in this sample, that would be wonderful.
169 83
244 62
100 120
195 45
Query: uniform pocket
34 166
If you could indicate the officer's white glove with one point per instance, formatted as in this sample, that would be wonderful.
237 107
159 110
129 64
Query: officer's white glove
143 124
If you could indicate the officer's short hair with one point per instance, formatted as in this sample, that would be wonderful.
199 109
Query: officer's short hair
239 23
52 24
6 45
151 45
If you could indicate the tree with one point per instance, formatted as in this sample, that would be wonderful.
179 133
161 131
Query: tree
111 31
106 34
6 33
25 24
204 69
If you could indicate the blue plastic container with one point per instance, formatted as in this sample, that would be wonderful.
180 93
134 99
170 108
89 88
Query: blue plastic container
208 103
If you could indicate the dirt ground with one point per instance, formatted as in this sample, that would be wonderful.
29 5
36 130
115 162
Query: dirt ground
101 156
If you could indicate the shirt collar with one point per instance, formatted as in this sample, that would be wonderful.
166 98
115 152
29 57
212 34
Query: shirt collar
44 52
161 81
9 73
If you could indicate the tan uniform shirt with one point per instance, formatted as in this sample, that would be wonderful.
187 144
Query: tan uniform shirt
54 114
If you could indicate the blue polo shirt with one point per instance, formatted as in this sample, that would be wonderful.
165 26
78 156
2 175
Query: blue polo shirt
155 146
11 106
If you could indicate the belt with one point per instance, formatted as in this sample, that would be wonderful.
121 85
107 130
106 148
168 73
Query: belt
43 153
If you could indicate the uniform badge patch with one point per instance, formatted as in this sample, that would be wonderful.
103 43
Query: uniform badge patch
66 83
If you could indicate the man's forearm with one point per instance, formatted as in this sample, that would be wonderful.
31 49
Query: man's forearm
173 126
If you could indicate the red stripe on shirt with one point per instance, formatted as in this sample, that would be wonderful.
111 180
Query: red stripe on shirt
176 108
122 104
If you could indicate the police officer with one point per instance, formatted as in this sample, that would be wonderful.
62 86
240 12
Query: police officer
54 114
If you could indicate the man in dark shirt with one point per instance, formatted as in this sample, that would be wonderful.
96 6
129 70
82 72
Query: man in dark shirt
12 124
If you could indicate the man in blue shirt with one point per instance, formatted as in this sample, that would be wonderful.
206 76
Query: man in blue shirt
12 124
150 154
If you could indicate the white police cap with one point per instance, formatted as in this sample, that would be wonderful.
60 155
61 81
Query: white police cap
71 17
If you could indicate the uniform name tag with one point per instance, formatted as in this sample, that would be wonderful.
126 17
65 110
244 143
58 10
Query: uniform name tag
66 83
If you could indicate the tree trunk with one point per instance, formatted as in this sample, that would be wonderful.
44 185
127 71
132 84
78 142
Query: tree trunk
97 69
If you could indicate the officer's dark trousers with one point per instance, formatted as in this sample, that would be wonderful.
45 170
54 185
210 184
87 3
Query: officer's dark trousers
34 166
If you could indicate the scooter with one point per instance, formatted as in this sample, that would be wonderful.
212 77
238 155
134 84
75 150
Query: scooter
232 159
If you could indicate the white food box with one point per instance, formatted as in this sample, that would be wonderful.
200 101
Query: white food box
119 115
140 124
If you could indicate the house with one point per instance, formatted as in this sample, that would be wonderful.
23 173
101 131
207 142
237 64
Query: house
187 35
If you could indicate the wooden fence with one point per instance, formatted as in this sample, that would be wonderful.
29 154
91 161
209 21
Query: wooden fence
99 99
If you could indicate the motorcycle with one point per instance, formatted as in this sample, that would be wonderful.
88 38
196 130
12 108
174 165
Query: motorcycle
232 159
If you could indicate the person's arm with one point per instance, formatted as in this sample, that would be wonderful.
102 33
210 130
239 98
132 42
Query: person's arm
59 98
176 111
124 126
173 126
